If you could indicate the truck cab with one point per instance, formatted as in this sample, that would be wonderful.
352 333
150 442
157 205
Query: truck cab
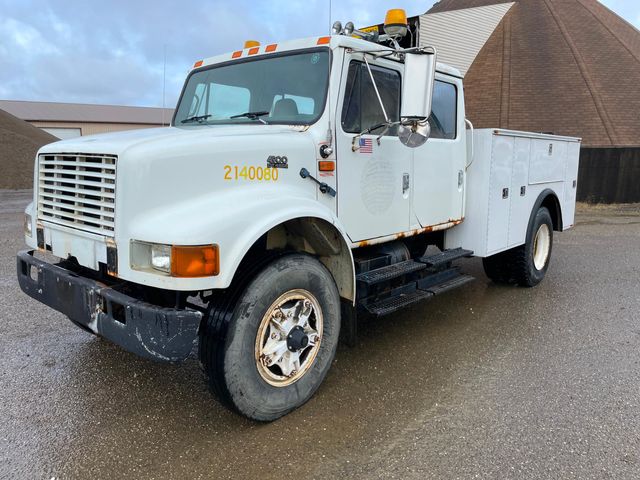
298 186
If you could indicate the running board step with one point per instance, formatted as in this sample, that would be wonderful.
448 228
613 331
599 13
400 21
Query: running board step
450 284
390 272
392 304
426 288
445 257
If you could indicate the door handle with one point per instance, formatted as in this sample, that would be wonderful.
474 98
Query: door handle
405 183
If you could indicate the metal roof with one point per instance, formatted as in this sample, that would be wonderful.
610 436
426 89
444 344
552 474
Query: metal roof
85 113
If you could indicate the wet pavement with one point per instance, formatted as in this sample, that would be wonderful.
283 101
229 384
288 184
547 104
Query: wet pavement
483 382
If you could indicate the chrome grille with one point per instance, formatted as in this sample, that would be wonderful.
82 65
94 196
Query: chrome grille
78 191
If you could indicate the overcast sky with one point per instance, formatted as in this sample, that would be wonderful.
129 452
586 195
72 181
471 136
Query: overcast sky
112 51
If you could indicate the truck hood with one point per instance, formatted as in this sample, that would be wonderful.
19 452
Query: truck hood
118 143
185 186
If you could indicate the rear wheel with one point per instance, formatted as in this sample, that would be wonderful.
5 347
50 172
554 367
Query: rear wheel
279 342
527 264
531 260
497 267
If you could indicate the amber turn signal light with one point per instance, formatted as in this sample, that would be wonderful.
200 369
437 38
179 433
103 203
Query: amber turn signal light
326 166
195 261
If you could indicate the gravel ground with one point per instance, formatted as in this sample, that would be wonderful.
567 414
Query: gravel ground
485 382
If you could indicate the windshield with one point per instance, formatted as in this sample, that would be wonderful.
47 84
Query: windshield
289 89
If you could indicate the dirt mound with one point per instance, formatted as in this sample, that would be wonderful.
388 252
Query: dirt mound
19 142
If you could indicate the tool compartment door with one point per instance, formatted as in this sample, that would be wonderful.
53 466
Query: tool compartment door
571 185
520 193
499 193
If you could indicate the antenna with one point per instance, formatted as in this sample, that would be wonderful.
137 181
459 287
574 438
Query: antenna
164 80
329 131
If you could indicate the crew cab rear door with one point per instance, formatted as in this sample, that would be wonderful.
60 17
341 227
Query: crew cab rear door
439 164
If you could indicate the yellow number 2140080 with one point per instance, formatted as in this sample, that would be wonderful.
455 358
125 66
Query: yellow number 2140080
260 174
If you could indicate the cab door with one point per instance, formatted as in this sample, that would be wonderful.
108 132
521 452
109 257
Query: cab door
439 165
373 171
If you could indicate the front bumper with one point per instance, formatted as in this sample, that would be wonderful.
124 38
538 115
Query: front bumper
157 333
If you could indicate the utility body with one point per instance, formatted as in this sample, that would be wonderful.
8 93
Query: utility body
300 185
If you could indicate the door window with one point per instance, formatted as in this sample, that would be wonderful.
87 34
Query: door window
361 109
444 111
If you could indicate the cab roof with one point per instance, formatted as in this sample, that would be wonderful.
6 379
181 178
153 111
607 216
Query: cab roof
333 42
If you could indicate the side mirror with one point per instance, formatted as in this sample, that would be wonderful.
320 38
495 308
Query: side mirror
417 95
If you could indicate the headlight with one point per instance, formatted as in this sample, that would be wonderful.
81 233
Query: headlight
161 257
28 225
176 260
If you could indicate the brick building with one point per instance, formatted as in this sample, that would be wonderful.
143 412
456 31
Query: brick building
571 67
568 66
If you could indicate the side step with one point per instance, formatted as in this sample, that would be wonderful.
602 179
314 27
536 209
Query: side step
426 288
442 258
456 282
389 272
391 304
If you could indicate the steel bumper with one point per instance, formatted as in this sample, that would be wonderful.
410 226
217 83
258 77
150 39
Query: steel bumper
157 333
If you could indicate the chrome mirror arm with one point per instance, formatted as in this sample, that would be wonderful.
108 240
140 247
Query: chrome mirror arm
375 87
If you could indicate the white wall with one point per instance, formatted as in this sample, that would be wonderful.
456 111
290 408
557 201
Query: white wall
64 133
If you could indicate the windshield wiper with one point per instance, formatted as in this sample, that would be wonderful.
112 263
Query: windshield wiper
253 116
195 118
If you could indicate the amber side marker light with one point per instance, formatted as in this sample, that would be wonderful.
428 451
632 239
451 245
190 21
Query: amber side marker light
195 261
326 166
198 64
323 40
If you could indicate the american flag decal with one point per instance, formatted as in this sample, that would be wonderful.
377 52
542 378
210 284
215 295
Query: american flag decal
366 145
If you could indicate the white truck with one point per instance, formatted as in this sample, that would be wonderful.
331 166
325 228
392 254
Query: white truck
298 187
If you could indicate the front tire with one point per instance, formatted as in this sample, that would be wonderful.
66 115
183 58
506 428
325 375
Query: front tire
280 340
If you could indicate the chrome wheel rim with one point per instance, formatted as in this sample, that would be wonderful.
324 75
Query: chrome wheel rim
288 339
541 246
